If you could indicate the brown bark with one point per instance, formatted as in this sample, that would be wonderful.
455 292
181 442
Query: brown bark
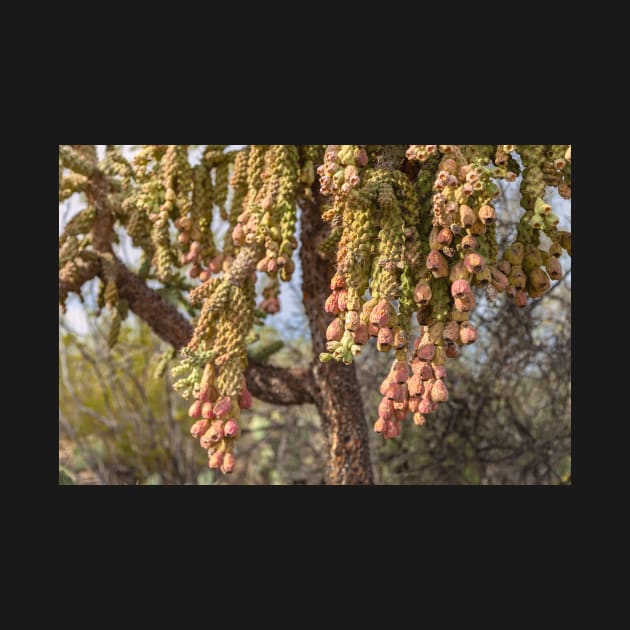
163 318
337 394
278 386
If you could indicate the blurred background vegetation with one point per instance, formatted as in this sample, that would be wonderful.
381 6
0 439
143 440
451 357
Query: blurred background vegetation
507 421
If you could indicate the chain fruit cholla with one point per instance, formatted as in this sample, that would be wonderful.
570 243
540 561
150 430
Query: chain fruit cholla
413 228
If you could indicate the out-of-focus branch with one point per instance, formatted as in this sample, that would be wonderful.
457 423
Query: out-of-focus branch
281 386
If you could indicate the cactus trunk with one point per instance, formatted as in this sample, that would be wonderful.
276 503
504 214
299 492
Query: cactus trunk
337 395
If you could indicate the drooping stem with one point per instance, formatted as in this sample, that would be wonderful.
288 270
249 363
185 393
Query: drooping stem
275 385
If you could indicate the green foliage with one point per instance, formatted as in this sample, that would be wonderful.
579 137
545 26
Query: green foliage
65 478
264 351
124 419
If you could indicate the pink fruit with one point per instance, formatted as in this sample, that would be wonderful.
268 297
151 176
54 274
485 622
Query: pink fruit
216 459
520 298
426 352
399 372
392 430
415 385
360 335
245 399
385 337
397 392
465 304
439 371
334 332
445 237
361 157
425 406
460 288
337 282
499 279
487 214
380 425
216 431
199 428
474 262
231 428
467 333
439 393
381 313
227 465
385 408
195 409
206 440
422 293
469 243
352 320
451 331
466 215
331 305
342 300
387 381
238 234
216 263
222 406
434 260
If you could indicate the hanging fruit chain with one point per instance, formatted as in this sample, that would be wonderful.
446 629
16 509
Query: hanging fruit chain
261 237
422 247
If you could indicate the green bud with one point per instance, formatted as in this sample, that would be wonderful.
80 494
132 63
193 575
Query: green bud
551 220
484 276
347 340
514 253
338 178
537 222
346 154
492 190
324 357
532 259
541 207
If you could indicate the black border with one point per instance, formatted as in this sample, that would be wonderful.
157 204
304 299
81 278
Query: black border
384 514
